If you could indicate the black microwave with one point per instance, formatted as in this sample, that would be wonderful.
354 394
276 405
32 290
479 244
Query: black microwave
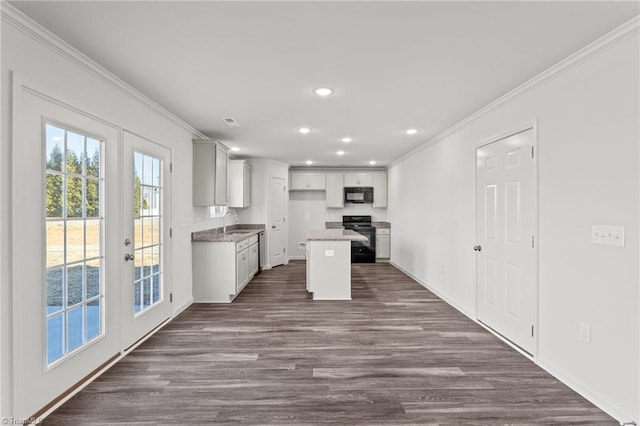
358 194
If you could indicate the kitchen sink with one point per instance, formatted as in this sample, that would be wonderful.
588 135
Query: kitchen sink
238 231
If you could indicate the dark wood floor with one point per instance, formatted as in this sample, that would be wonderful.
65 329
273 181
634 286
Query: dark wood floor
394 354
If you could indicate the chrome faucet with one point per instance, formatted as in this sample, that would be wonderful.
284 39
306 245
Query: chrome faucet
224 227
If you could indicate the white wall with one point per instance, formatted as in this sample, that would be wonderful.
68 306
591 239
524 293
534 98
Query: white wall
73 83
588 157
308 211
262 170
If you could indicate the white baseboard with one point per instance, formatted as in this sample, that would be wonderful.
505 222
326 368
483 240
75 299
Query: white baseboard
104 369
182 308
297 258
599 401
603 403
434 291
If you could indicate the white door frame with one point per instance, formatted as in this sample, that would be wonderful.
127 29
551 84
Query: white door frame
529 125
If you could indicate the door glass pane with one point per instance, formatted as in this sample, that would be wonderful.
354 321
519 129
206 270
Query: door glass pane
75 326
75 153
55 288
75 276
55 338
92 278
54 195
74 245
147 235
55 243
93 319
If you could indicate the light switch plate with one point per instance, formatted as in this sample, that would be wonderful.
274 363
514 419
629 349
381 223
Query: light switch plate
607 235
329 253
585 333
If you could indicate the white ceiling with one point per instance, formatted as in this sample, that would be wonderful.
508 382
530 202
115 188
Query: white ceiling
393 65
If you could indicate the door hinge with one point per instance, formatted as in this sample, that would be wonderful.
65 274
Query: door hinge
170 167
531 331
284 250
170 232
533 241
532 152
284 219
170 297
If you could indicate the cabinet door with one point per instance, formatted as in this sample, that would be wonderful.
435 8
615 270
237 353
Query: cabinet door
358 179
247 184
316 181
253 260
242 269
335 190
383 246
204 162
221 197
298 181
380 190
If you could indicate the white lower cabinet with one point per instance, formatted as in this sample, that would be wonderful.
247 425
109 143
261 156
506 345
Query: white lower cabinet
383 243
221 270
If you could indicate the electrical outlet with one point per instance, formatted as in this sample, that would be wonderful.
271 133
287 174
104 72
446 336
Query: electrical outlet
585 333
302 245
329 253
607 235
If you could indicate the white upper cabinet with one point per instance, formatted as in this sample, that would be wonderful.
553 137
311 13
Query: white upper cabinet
380 190
210 167
239 183
307 181
358 179
335 190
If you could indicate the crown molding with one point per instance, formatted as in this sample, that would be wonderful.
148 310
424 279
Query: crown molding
620 34
12 16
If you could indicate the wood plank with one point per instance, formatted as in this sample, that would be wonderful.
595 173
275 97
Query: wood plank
395 354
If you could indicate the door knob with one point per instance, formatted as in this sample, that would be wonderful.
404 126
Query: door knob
273 226
127 242
477 248
128 257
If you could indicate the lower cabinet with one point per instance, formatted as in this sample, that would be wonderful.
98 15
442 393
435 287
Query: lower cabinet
221 270
383 243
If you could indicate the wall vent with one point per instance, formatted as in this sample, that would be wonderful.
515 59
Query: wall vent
231 122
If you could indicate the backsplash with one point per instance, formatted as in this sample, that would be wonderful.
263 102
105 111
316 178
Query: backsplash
307 211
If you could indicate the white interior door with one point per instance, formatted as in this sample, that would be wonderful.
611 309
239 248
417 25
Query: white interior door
146 248
506 228
277 245
65 206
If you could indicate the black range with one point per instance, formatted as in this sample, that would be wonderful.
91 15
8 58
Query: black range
362 251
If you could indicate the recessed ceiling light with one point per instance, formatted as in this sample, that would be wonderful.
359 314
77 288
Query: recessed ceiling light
323 91
346 139
309 162
411 131
235 149
304 130
340 152
373 163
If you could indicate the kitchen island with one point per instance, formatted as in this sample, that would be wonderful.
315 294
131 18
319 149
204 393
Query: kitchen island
329 263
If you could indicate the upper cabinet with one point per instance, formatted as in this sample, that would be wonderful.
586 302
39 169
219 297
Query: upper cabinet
307 181
239 183
358 179
335 190
380 190
210 168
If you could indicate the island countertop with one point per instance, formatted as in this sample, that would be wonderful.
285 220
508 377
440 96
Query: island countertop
335 235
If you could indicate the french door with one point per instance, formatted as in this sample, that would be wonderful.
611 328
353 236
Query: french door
65 216
146 244
506 219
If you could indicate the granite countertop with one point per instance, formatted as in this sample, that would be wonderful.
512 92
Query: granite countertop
338 225
234 233
335 235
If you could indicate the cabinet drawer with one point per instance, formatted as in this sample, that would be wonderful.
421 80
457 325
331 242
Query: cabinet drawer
241 245
383 231
252 240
